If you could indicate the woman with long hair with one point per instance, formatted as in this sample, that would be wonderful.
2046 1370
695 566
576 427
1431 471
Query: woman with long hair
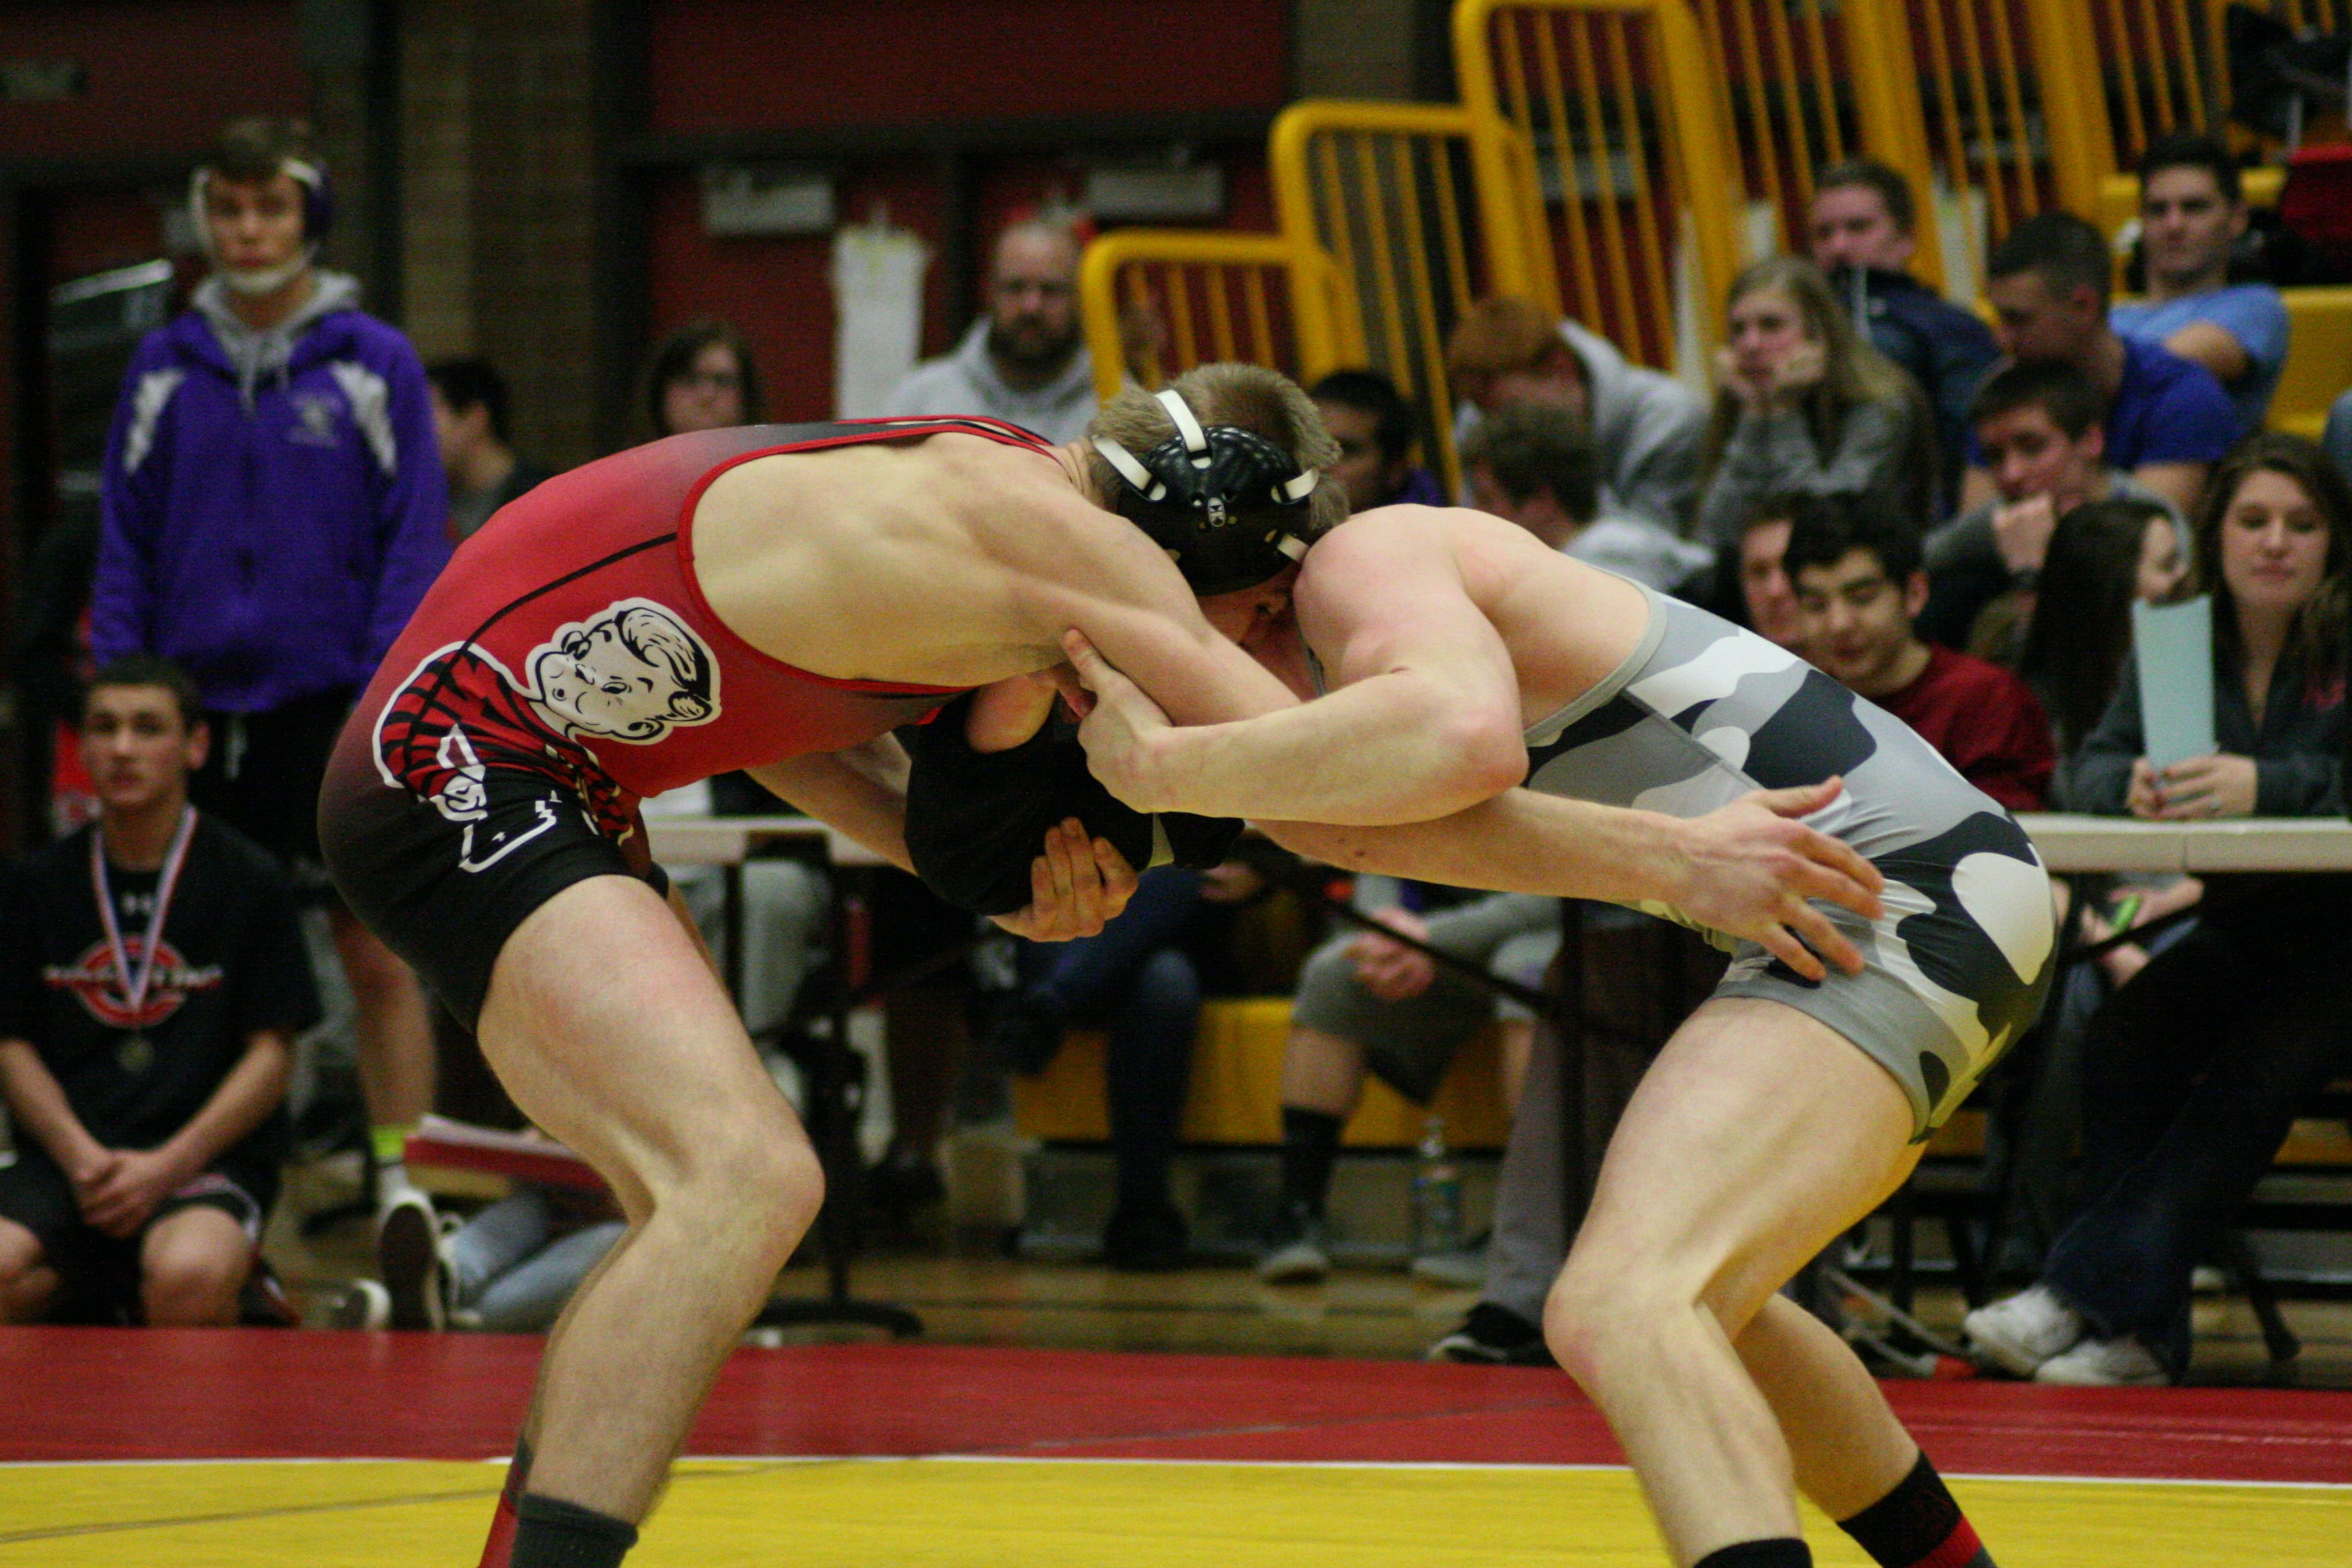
2194 1070
1805 404
2104 556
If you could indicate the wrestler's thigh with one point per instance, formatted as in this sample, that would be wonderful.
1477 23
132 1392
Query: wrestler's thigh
1757 1136
606 1024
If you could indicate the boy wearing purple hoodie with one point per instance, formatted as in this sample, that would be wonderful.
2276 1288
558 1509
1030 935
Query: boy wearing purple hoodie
274 508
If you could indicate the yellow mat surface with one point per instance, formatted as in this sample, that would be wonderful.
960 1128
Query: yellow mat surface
1048 1514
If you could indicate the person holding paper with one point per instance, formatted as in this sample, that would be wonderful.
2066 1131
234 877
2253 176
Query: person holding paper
2194 1070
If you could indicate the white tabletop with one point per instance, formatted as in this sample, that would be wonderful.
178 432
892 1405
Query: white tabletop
726 840
2071 843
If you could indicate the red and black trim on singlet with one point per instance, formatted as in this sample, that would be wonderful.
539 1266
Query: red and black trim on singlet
463 710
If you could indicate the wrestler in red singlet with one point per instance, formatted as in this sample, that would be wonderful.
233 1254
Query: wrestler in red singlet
566 658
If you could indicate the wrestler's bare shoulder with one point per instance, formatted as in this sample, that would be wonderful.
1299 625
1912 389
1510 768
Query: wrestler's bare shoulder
1566 624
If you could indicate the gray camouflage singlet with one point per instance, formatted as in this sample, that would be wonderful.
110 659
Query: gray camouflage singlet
1703 712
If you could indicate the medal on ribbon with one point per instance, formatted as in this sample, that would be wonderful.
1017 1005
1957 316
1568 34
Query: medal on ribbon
134 1052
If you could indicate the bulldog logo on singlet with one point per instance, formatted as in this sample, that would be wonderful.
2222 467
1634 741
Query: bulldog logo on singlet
630 673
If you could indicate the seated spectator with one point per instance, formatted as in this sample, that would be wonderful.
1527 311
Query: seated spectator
1365 1003
2077 635
1752 575
2191 214
1646 425
469 415
2167 420
1026 359
699 377
1142 978
2104 556
2195 1070
1859 586
1805 404
1862 233
2038 428
1373 424
1534 465
152 978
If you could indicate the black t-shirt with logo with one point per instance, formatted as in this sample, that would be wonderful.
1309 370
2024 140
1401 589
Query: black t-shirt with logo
230 960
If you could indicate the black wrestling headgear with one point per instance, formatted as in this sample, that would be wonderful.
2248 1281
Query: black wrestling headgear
1226 502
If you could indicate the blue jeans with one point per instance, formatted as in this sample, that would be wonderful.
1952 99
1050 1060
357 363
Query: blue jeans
512 1269
2192 1075
1135 978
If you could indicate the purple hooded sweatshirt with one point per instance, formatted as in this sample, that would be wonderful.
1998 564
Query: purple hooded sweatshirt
274 505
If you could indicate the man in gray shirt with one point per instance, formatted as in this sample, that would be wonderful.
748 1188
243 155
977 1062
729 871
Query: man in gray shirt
1025 362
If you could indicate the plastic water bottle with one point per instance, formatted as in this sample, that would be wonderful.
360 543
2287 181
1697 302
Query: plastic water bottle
1436 1195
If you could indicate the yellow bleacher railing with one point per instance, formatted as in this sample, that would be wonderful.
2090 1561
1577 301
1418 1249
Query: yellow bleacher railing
1626 131
1399 198
1156 303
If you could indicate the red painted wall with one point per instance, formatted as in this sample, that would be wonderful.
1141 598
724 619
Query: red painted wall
720 65
164 77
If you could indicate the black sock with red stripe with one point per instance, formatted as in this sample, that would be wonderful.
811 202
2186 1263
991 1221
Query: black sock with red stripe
553 1533
1918 1525
498 1552
1780 1552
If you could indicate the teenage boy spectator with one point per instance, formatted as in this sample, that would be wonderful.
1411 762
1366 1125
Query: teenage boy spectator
2167 420
1648 426
273 511
1859 586
1760 595
2192 213
1533 464
2039 431
1026 359
469 416
1863 233
1373 424
152 980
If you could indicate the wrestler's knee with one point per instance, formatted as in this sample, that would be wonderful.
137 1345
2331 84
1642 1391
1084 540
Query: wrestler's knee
1605 1314
753 1181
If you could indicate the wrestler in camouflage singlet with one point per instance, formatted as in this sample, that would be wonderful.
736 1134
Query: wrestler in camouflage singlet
1703 712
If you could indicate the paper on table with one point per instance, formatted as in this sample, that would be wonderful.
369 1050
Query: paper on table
2174 647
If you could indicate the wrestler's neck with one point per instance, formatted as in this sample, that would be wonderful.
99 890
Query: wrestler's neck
1075 458
137 836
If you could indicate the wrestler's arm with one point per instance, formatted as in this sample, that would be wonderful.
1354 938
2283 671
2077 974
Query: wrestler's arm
1746 869
1424 724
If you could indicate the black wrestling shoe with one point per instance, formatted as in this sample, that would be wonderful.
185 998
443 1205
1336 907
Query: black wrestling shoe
408 1260
1145 1240
1494 1336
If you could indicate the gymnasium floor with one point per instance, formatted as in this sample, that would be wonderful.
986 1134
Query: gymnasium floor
228 1448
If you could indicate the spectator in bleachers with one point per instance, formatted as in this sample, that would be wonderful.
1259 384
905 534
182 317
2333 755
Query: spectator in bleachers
1647 425
2194 1070
152 978
274 510
2191 214
1533 464
1863 234
1859 584
1141 978
2042 442
1805 404
1365 1004
2102 557
1373 424
1026 359
1752 583
477 455
699 377
2167 420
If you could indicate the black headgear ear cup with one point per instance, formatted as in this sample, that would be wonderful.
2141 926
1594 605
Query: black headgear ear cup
1226 502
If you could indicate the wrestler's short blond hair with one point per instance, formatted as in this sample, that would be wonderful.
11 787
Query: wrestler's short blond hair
1264 401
